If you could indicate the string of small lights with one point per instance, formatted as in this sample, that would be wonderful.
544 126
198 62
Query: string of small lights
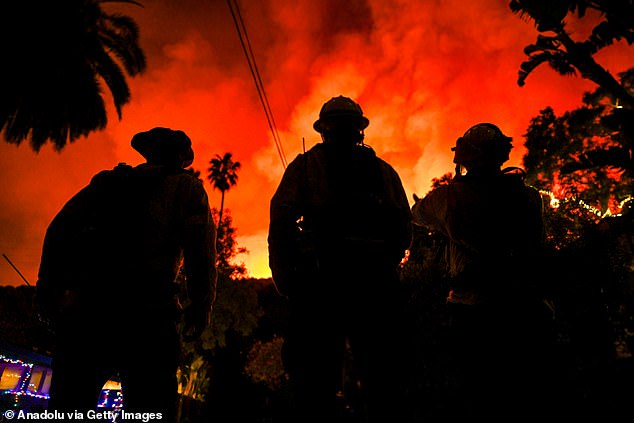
556 202
106 399
25 378
109 398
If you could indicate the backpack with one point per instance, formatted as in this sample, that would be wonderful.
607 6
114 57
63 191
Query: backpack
83 233
496 233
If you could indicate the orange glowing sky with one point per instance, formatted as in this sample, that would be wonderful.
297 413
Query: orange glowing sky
423 71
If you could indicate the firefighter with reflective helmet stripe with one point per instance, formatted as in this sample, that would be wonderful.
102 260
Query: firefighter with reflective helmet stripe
494 230
340 265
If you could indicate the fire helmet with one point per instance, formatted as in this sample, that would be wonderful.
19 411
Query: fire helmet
340 111
482 143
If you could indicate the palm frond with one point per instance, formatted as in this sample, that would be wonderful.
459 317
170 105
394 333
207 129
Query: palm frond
113 76
555 58
120 34
57 56
603 35
547 15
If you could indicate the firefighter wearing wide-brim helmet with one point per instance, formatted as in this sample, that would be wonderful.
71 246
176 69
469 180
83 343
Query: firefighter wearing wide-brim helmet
341 119
482 145
164 146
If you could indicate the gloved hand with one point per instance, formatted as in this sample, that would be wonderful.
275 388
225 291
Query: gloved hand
197 317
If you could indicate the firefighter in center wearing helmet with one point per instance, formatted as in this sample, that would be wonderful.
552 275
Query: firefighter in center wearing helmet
493 225
339 265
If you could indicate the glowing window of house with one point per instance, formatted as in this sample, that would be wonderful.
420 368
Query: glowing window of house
11 375
47 383
37 376
112 385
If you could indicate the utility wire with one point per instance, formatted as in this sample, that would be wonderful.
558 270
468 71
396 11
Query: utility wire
255 73
16 269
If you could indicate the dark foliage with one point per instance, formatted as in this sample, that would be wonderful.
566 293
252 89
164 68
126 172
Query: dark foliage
19 322
568 56
57 57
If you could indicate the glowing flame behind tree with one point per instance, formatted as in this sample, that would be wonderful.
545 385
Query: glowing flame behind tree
585 154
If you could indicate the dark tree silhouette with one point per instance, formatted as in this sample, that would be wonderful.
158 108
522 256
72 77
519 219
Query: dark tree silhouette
223 174
586 152
585 157
57 55
213 366
555 46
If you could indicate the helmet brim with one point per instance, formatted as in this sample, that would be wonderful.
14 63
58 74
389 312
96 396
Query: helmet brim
321 124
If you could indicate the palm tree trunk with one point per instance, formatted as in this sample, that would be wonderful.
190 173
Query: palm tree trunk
581 58
222 206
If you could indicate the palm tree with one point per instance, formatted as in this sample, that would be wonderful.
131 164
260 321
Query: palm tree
567 56
223 174
57 55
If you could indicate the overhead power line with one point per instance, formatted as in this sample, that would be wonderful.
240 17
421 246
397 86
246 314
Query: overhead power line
255 73
16 269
